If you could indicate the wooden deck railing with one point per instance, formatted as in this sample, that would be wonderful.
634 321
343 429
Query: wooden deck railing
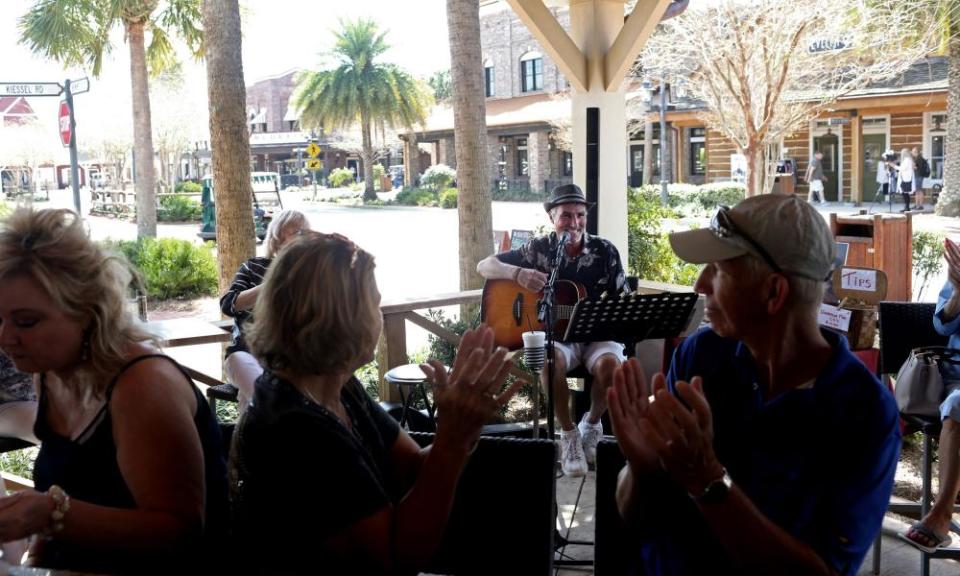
392 350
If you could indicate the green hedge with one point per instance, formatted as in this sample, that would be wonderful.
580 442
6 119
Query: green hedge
416 197
650 256
339 178
692 200
178 208
448 198
188 186
173 268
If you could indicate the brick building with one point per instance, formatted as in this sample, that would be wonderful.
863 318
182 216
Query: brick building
528 105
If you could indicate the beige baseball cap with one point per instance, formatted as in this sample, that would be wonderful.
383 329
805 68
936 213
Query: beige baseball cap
781 230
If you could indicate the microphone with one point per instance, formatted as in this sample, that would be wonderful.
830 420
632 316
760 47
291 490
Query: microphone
534 352
564 239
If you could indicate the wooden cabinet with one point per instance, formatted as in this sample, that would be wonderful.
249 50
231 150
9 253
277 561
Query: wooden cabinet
883 242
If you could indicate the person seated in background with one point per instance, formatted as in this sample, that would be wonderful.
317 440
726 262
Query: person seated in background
241 368
933 530
18 402
130 476
321 477
595 263
769 448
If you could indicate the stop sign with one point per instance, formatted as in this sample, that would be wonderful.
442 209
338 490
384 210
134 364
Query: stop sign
65 132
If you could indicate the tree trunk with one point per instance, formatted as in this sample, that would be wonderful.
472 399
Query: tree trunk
949 202
647 151
227 97
366 155
145 185
470 143
756 170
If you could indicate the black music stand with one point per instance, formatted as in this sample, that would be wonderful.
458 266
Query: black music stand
631 318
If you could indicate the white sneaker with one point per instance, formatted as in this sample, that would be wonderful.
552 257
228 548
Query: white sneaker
572 461
590 435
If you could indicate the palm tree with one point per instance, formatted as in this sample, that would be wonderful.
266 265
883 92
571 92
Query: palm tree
228 133
361 90
470 139
78 34
949 22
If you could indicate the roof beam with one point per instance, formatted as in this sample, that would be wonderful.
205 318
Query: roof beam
631 39
554 39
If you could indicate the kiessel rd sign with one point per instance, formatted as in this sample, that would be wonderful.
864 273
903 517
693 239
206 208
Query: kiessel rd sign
30 89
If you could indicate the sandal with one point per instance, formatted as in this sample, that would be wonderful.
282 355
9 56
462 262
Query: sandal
918 535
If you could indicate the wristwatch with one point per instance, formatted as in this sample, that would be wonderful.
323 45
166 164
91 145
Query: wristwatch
716 491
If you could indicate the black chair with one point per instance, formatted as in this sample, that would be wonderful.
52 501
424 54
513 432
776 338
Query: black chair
226 392
612 546
502 520
904 326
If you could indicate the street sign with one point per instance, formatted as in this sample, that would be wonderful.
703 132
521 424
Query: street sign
842 121
30 89
314 164
313 150
65 132
80 86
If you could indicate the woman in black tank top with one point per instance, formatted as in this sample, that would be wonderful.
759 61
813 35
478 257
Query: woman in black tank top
130 477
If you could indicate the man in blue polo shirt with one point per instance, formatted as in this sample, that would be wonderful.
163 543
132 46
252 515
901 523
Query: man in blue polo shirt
768 447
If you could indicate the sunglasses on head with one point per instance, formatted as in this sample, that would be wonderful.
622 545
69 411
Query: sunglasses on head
723 226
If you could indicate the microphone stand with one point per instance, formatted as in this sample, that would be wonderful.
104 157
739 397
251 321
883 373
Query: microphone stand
545 316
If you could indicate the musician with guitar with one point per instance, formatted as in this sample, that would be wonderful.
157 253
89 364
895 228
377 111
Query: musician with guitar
589 267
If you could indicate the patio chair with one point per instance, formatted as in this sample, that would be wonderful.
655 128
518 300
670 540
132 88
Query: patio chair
904 326
502 520
612 546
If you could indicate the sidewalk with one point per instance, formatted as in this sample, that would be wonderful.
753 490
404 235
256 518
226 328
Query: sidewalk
576 498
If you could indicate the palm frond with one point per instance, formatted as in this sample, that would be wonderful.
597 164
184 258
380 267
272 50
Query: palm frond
62 31
183 18
161 55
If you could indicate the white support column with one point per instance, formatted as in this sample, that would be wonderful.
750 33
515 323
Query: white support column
595 25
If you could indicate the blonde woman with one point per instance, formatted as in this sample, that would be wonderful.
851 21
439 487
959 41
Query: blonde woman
129 477
321 477
906 177
241 367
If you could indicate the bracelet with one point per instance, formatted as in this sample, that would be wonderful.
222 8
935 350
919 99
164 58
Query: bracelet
516 274
61 505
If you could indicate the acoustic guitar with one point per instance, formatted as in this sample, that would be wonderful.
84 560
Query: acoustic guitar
510 309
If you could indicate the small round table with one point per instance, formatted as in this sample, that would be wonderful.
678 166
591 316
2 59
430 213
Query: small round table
409 379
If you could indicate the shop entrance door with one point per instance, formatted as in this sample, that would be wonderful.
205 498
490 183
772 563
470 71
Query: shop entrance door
829 144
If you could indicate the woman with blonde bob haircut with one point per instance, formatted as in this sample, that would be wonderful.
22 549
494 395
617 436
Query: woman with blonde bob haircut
239 300
365 498
113 413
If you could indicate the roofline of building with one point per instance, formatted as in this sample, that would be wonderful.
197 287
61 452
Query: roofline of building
274 77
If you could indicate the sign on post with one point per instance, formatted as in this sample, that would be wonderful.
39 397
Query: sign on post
313 150
30 89
80 86
66 134
314 164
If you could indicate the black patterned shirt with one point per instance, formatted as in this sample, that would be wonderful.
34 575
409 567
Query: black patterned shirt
15 386
249 274
597 267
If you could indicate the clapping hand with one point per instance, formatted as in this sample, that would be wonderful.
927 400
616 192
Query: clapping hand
951 253
673 433
470 394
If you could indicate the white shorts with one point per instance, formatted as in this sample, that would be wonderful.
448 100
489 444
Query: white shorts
587 353
816 185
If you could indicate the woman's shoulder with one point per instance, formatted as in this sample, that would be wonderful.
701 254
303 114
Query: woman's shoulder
147 374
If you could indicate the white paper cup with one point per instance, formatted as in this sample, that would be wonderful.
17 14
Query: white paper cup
533 339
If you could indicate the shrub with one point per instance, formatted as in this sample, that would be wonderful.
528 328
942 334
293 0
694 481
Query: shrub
188 186
927 259
438 177
339 178
712 196
650 256
516 195
179 209
416 197
173 268
448 198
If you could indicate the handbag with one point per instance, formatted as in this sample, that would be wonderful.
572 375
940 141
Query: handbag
919 389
